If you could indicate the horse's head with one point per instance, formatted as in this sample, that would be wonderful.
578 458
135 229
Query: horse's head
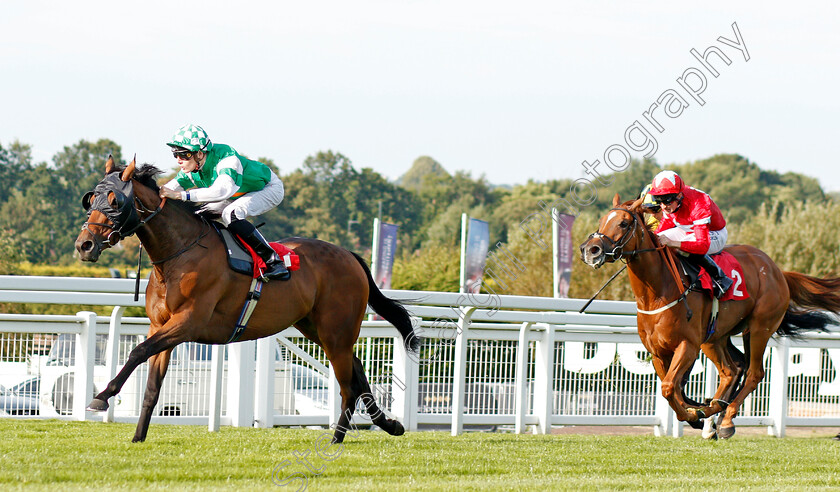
111 210
619 232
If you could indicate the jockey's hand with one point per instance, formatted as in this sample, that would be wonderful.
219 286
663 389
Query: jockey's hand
167 193
666 241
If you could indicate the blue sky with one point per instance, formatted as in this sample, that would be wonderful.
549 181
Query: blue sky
512 90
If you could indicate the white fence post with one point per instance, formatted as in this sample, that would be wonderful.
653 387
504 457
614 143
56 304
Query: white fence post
459 380
778 401
85 353
264 402
112 353
521 382
216 370
544 379
404 386
240 389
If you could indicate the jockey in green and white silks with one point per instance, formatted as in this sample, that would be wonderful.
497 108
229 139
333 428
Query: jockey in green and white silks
224 181
224 175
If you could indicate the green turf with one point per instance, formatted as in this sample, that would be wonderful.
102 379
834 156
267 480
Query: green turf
54 455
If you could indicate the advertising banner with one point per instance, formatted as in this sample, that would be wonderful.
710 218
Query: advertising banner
564 252
385 251
478 243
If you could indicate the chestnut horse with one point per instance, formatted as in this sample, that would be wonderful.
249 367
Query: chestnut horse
780 302
193 296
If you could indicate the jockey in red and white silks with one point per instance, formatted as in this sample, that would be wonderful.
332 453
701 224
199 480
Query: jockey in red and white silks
692 223
698 224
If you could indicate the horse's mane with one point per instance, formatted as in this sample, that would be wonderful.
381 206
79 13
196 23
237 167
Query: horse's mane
147 174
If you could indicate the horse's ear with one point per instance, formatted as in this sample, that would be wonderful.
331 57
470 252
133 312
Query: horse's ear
616 200
129 171
636 206
109 166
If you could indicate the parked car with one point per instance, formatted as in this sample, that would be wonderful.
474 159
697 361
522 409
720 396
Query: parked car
28 388
311 390
12 404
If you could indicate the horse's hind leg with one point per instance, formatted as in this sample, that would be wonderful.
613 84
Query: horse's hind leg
158 364
729 371
738 361
342 365
361 387
755 342
354 385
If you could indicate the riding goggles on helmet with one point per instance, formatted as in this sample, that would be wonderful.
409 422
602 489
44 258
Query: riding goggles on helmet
183 154
665 199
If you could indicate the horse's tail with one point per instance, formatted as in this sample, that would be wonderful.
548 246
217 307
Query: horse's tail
808 295
393 311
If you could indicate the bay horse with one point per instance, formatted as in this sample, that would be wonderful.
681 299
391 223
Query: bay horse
192 295
784 303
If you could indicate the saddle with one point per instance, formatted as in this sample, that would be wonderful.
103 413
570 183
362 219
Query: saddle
242 259
730 266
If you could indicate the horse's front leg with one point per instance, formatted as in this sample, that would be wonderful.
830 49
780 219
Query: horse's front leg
681 362
157 370
155 344
728 371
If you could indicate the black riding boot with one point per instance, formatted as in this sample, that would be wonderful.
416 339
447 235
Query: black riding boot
275 267
721 281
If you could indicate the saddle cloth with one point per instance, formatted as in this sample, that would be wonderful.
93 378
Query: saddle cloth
243 259
730 267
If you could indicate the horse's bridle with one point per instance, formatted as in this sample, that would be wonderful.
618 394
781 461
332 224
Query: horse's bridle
125 218
616 251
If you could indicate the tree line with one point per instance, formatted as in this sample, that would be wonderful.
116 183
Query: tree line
328 197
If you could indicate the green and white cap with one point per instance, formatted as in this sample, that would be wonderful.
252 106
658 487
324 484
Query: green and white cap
191 137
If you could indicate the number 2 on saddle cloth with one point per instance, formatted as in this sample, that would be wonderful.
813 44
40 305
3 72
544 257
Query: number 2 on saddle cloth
733 270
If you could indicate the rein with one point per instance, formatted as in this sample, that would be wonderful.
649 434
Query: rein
618 253
189 246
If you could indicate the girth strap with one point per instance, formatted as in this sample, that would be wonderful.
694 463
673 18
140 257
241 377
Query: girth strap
250 304
710 330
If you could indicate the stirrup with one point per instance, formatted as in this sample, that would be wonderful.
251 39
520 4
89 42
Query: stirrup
719 291
276 270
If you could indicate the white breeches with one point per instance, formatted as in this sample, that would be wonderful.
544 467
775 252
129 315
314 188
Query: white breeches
251 204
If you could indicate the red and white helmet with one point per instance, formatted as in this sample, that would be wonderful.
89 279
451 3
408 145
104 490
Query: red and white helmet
666 183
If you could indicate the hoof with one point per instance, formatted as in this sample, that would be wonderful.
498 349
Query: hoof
697 421
709 430
398 429
726 432
391 426
97 405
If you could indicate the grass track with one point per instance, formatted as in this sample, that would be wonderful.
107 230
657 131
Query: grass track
55 455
